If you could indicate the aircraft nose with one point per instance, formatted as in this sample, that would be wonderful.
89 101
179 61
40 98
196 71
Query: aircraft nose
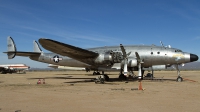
193 57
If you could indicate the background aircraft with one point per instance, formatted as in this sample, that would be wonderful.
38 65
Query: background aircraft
130 58
13 68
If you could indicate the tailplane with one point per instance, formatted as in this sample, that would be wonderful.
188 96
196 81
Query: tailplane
12 50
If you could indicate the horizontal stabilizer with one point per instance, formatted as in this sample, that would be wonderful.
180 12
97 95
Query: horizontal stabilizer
20 53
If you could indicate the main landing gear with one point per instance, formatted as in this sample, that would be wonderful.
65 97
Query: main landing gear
96 73
101 78
122 76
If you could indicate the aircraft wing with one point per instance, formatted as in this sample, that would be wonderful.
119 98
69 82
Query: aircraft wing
66 49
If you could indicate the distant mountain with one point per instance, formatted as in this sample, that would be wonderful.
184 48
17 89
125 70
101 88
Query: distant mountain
188 66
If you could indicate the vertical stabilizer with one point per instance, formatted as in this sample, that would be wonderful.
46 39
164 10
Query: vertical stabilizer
11 48
36 47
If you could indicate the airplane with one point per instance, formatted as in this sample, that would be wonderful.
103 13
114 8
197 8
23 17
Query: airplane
13 68
124 58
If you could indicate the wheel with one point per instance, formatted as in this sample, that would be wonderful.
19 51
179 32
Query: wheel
106 77
150 76
94 73
102 80
179 79
98 73
122 77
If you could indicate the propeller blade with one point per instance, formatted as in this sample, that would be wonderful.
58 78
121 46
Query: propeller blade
138 58
125 56
137 55
128 53
123 51
139 71
139 65
125 68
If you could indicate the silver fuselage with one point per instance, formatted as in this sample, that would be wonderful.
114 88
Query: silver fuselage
151 55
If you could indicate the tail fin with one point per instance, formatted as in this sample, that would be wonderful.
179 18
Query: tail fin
36 47
11 48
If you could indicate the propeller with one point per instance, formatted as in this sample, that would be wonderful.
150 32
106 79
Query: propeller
125 57
139 60
139 65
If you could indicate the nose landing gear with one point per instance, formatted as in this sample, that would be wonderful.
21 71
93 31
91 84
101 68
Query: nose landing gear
179 79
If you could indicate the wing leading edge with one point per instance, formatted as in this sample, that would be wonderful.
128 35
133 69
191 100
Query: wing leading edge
66 49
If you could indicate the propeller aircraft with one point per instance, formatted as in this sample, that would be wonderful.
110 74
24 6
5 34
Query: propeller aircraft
125 58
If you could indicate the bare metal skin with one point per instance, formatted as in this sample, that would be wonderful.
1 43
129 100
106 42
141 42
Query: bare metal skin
126 58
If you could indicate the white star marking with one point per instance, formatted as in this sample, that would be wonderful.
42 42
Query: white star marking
56 59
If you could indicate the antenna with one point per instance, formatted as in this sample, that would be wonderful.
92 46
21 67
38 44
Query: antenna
161 43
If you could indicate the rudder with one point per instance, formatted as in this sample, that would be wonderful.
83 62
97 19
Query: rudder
11 48
36 47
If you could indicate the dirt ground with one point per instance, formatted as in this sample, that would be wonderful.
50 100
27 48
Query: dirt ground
74 91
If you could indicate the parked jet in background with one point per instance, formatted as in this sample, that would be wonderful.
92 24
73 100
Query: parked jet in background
13 68
128 58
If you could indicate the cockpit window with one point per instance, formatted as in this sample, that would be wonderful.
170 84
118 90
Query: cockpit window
177 50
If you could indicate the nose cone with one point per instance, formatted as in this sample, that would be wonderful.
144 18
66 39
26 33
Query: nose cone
193 57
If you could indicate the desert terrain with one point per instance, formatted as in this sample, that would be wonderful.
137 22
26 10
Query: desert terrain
75 91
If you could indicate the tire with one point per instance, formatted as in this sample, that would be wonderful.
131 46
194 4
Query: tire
106 77
179 79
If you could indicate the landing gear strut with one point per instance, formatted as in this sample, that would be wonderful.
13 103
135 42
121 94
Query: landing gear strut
179 79
122 76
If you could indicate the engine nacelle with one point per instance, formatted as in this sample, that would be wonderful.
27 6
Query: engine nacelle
132 63
109 58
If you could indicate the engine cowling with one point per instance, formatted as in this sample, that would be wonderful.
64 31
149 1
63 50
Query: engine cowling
131 63
109 58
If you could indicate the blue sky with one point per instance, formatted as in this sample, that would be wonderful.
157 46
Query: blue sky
93 23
